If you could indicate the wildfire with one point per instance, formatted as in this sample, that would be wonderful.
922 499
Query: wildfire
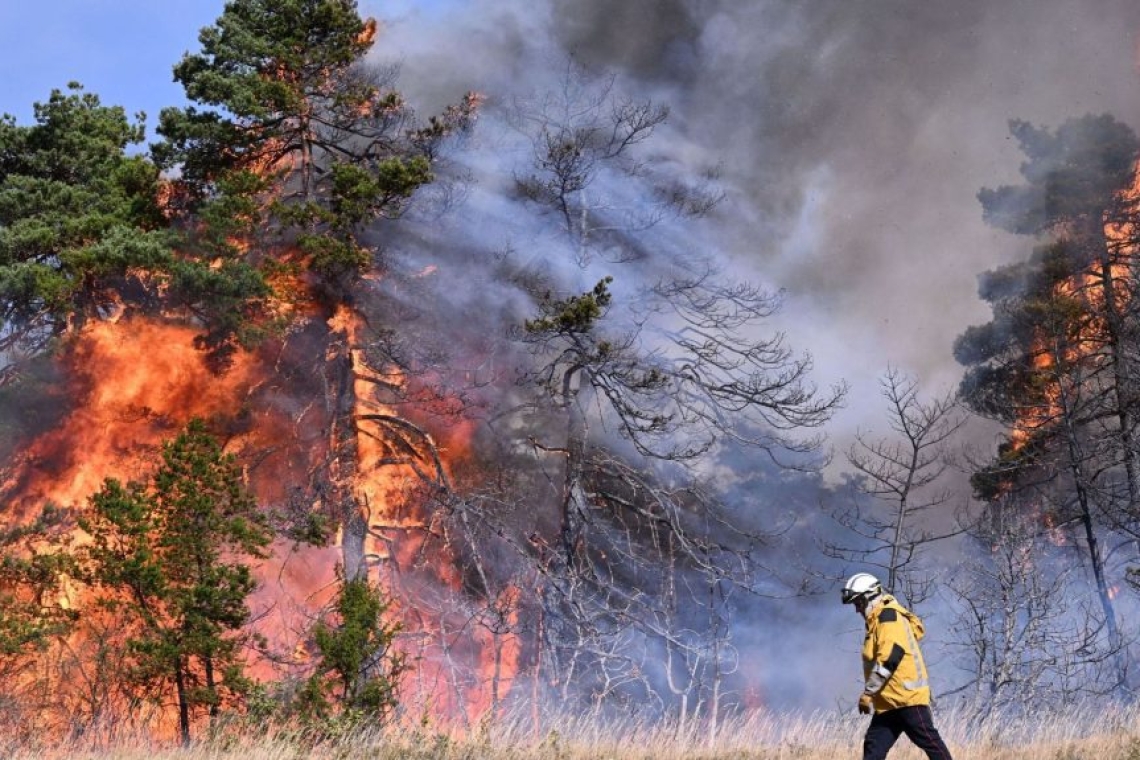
134 383
398 460
330 439
1091 285
368 35
318 432
1054 532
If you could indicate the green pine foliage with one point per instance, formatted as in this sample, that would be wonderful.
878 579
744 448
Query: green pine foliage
265 66
32 575
78 216
170 557
358 673
574 315
281 89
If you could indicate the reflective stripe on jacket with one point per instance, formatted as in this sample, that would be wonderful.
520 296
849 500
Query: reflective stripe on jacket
893 669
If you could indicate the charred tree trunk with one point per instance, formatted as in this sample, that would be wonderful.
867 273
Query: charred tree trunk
1114 330
1096 562
573 514
341 402
1081 484
211 687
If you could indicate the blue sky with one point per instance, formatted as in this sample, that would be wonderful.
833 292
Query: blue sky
122 50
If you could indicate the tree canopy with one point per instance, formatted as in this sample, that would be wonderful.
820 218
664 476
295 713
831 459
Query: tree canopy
80 220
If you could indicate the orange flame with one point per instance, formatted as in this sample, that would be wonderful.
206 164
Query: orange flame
133 384
1088 285
136 382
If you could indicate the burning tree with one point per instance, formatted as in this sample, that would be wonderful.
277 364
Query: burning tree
325 147
583 538
1056 361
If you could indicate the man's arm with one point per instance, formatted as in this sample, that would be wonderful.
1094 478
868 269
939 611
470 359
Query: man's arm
889 651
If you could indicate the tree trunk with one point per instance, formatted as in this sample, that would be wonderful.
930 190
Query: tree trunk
341 402
183 703
212 688
1120 385
572 496
1096 561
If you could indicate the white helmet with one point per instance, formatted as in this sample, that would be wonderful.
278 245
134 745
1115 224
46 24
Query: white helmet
861 586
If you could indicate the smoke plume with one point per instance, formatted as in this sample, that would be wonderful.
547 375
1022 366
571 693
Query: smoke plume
849 140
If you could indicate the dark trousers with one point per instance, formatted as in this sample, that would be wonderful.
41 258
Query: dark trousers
916 722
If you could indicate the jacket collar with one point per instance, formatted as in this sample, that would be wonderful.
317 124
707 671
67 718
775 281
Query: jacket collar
874 605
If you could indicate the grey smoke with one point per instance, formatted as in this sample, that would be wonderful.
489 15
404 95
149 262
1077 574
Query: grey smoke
852 137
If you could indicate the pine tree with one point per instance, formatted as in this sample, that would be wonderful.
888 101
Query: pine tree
80 225
287 94
358 672
311 146
1056 360
169 555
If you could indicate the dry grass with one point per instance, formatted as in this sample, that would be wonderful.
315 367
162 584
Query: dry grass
1080 734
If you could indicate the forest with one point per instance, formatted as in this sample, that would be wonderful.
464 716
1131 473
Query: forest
320 411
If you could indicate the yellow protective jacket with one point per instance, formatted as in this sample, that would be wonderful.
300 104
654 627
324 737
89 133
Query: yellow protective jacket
893 669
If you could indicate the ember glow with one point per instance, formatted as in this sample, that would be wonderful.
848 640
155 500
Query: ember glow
133 383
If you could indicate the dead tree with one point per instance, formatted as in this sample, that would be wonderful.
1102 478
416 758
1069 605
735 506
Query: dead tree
1026 641
904 475
628 387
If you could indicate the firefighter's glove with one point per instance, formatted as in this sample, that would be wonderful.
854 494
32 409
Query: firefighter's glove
865 707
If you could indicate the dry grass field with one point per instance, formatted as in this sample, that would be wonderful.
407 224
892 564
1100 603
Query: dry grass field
1092 733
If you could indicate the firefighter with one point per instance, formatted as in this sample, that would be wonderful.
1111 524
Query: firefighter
895 688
